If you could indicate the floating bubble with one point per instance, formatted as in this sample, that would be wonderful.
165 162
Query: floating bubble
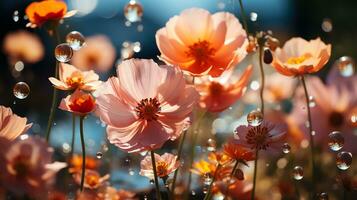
21 90
298 173
63 52
131 172
66 148
15 16
312 102
193 193
99 155
253 16
255 118
19 66
335 141
75 40
133 11
286 148
254 85
344 160
323 196
211 144
346 66
326 25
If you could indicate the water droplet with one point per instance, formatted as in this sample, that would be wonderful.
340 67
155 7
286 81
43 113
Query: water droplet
253 16
211 144
19 66
63 52
193 193
24 137
15 16
105 147
131 172
312 102
207 179
140 28
145 197
323 196
21 90
133 11
346 66
75 40
254 85
298 173
335 141
255 118
99 155
152 181
267 56
205 190
326 25
286 148
66 148
344 160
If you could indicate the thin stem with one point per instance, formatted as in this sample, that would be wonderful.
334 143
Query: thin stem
208 195
158 195
83 152
310 131
262 79
255 174
54 95
73 133
245 25
179 153
232 173
164 180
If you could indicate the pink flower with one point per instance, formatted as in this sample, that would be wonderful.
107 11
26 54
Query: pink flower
261 137
146 105
12 125
165 165
72 78
98 54
79 102
26 166
210 45
217 94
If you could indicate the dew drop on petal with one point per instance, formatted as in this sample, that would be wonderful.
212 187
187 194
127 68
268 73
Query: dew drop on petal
211 144
344 160
63 52
286 148
255 118
298 173
323 196
99 155
21 90
133 11
75 40
346 66
335 140
326 25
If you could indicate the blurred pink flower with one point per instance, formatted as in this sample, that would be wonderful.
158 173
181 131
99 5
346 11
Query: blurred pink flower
210 45
217 94
262 137
146 105
165 165
71 78
12 125
23 46
110 193
97 54
298 56
92 179
79 102
26 166
335 109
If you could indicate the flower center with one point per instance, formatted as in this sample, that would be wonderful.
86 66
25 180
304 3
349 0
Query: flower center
148 109
215 88
336 119
161 169
83 104
92 180
202 52
75 80
299 60
258 137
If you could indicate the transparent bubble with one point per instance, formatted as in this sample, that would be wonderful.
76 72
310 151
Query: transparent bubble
254 85
131 172
346 66
286 148
253 16
66 148
312 102
326 25
323 196
99 155
63 52
335 140
21 90
15 16
19 66
133 11
255 118
75 40
344 160
211 145
298 173
193 193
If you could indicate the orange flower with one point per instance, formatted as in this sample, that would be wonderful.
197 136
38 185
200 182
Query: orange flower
165 165
217 94
238 152
209 45
79 102
44 11
76 163
219 158
203 168
92 179
299 56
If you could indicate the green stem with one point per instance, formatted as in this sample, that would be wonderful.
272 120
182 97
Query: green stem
310 132
209 192
262 79
245 25
158 195
73 133
83 152
54 95
255 174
